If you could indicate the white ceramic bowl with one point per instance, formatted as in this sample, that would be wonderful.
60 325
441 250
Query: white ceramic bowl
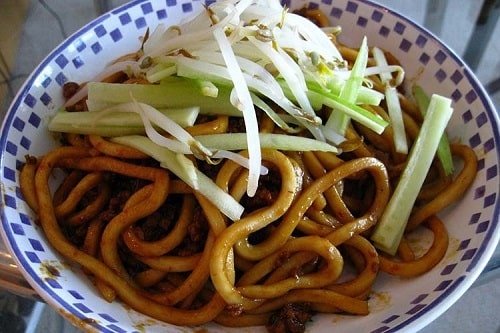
397 305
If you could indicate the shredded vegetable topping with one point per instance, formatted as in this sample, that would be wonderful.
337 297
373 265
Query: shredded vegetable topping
227 169
233 57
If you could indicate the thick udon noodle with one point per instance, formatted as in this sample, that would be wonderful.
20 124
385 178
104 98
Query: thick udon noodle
310 219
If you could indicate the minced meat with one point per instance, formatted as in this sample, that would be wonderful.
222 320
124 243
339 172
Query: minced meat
291 318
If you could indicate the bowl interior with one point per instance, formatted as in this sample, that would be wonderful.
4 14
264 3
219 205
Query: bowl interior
397 304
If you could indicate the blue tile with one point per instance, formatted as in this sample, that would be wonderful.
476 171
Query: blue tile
17 229
448 269
61 79
336 12
468 254
482 227
100 31
53 283
46 99
416 308
125 19
474 218
424 58
443 285
481 119
480 164
419 298
116 328
377 16
312 5
9 174
464 244
25 219
140 23
34 120
475 140
116 35
421 41
80 45
29 100
399 28
19 194
391 318
491 172
32 257
405 45
75 294
82 307
61 61
456 77
11 148
161 14
440 57
440 75
489 200
146 8
489 145
362 21
46 82
107 317
187 7
380 329
384 31
284 3
171 3
25 143
351 7
18 124
470 97
96 47
479 192
10 201
37 246
456 95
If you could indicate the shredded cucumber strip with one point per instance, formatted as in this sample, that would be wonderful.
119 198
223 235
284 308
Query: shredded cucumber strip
179 93
114 121
365 95
208 88
357 113
444 150
237 141
393 106
183 168
390 228
338 121
160 71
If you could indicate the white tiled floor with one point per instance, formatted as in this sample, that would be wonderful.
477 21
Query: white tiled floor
476 311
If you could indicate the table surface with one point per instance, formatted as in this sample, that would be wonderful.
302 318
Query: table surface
28 42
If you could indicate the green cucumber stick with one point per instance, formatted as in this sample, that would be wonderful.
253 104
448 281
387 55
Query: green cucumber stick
390 229
444 150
